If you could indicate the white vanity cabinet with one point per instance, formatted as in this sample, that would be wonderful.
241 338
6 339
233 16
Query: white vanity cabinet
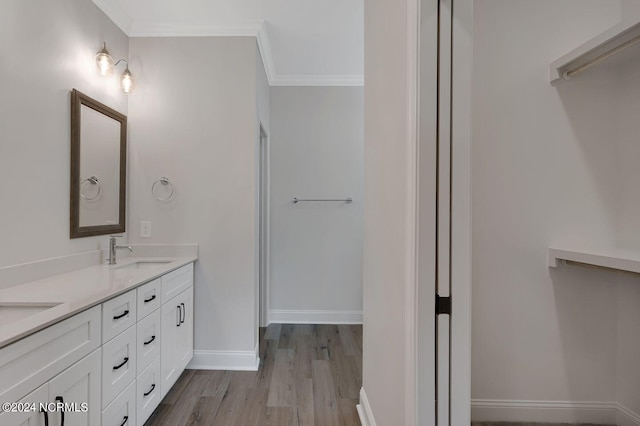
29 418
177 338
62 364
119 359
177 325
77 385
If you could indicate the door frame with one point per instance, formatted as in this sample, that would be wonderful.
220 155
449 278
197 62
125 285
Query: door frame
263 246
459 214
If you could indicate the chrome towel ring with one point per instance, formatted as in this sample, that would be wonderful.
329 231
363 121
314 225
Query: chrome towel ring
93 181
164 181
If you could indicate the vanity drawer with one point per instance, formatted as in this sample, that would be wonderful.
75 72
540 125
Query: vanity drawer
122 411
118 314
148 340
149 297
118 364
32 361
176 282
148 385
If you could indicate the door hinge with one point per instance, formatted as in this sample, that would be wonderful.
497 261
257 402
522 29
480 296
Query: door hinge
443 305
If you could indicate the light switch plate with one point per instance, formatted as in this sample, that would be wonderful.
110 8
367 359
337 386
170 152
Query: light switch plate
145 229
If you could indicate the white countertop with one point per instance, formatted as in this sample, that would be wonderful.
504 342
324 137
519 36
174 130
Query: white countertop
77 291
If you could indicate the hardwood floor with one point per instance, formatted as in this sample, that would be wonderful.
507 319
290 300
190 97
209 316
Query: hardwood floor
308 375
531 424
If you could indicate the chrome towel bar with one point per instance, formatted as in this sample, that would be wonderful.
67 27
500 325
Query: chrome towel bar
343 200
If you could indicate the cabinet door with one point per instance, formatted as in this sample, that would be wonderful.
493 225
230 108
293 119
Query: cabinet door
184 344
177 338
169 373
77 385
31 418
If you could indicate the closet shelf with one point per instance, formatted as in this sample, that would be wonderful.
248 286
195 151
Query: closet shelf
596 50
607 258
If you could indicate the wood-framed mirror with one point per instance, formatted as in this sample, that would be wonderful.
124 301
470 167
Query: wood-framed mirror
98 167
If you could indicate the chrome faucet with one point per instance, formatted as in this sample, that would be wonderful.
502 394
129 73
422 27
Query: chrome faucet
113 247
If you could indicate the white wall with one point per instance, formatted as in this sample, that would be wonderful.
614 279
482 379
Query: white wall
46 49
193 119
386 163
628 236
317 144
545 164
630 9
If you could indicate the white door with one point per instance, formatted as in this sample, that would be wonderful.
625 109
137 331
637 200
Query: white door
78 385
443 258
28 418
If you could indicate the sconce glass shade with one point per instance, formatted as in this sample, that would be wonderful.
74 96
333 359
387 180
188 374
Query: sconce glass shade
126 81
104 61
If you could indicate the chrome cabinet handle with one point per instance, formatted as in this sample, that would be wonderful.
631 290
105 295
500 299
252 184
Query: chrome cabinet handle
179 311
183 313
117 367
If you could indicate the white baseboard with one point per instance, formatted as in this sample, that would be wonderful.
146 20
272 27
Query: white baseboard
283 316
627 417
364 410
553 412
225 360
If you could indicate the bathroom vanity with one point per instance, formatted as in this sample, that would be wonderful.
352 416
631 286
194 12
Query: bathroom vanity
107 342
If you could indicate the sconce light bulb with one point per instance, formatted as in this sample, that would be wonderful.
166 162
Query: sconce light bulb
126 81
104 61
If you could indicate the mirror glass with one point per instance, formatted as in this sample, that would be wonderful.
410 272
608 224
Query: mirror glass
98 156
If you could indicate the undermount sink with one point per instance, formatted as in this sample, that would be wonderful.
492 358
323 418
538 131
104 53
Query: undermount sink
143 264
10 312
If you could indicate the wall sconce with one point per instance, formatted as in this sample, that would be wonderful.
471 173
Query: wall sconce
105 64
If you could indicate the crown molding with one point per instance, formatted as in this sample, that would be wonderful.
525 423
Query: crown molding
168 29
257 29
264 47
317 80
114 10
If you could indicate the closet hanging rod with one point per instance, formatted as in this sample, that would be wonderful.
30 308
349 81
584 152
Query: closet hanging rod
296 200
602 57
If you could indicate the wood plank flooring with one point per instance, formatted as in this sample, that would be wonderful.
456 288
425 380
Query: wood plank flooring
531 424
309 375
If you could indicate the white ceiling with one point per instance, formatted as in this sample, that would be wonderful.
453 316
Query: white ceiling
302 42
